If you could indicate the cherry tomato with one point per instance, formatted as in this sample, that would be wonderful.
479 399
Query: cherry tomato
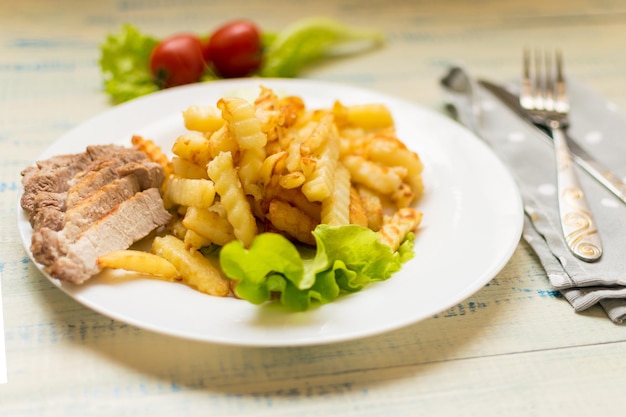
177 60
235 49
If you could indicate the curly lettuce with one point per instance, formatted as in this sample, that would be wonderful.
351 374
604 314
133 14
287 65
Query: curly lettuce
346 259
124 62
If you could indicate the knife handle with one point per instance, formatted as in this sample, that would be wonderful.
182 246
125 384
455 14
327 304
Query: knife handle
579 227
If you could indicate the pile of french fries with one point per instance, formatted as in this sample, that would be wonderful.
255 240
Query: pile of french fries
273 165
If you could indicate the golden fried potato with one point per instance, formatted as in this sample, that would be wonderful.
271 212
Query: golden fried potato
205 119
227 184
190 192
292 221
212 224
195 270
139 261
154 152
395 228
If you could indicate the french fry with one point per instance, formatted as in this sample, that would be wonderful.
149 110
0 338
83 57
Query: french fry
358 215
243 123
195 270
227 184
318 137
294 196
336 208
154 152
292 221
192 146
395 229
187 169
194 241
369 116
140 262
190 192
205 119
319 185
373 207
292 180
210 224
222 141
382 179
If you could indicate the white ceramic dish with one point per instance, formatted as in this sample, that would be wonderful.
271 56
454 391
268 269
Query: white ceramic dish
472 224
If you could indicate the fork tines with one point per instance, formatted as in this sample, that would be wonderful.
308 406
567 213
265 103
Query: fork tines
543 85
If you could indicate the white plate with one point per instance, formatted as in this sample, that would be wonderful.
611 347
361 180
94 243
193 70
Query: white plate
472 224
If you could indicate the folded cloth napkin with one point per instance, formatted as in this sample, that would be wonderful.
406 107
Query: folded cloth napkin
601 130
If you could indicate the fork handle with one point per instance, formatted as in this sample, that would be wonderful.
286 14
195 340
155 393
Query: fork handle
579 227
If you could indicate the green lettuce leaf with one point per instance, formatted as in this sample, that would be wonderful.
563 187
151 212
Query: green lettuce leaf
346 259
124 62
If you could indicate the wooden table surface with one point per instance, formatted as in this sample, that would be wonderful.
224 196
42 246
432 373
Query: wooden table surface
514 348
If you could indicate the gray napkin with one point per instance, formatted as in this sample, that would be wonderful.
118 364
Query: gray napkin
601 130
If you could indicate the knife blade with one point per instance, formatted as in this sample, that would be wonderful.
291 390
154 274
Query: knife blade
585 160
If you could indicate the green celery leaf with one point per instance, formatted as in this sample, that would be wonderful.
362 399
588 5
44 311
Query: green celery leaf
309 40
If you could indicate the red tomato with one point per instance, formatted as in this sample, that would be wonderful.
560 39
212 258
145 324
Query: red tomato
177 60
235 49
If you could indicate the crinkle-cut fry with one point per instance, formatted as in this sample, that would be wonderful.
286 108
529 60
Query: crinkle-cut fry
187 169
190 192
192 146
290 140
140 262
320 135
153 151
358 215
212 224
242 121
222 141
369 116
195 270
380 178
395 229
373 207
205 119
249 166
232 197
291 221
319 185
336 208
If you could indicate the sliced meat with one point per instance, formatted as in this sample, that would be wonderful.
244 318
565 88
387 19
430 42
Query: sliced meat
54 174
48 210
89 210
129 222
82 206
98 174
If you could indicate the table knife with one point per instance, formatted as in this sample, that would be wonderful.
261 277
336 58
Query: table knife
586 161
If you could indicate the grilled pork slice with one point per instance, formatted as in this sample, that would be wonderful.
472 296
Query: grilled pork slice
127 223
82 204
53 174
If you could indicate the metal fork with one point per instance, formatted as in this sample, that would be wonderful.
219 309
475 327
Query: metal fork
544 96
